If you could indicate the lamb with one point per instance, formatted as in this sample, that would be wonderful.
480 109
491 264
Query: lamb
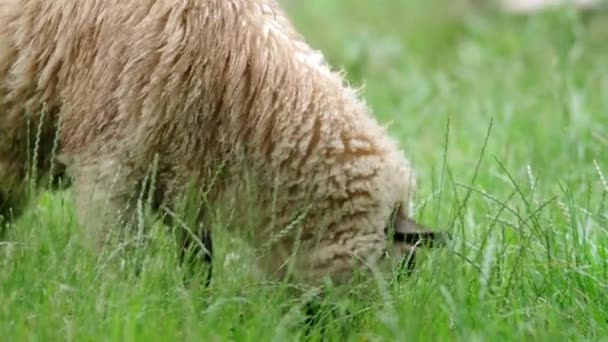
192 87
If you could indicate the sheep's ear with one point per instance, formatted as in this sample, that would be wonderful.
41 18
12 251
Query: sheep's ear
413 233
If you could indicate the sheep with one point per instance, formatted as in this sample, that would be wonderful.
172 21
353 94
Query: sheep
192 87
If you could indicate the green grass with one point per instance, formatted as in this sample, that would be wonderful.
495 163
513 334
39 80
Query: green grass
506 121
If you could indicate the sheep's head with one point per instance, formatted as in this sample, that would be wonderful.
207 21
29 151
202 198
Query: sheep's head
405 235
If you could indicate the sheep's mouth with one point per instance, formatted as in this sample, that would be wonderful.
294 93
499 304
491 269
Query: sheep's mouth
415 234
410 235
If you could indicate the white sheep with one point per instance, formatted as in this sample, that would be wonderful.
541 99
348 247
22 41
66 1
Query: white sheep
191 86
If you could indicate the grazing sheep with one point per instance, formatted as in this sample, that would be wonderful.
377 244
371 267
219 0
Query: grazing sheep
193 87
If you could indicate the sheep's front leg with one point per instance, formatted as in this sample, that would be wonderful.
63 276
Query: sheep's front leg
102 195
197 251
185 213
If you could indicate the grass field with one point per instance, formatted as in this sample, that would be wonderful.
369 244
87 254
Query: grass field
506 121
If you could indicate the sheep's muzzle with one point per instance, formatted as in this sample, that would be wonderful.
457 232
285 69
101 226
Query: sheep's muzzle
411 235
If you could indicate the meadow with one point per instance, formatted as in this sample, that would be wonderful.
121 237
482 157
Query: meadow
506 121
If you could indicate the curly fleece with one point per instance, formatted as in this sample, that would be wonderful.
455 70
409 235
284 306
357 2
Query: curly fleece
192 84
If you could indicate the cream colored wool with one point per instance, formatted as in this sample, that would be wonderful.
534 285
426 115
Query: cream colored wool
199 84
